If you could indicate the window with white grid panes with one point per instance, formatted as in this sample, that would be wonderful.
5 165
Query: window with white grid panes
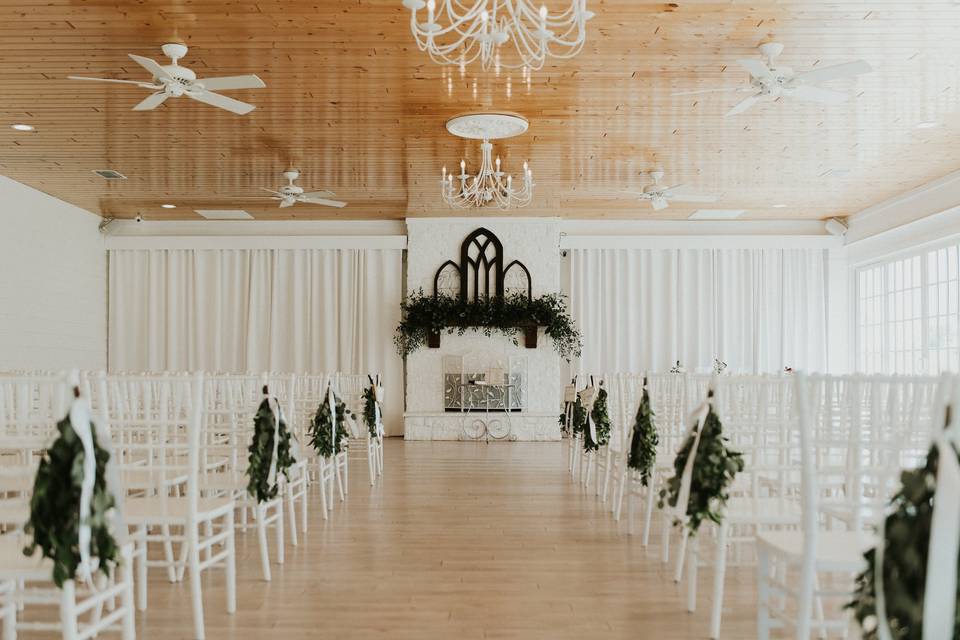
908 313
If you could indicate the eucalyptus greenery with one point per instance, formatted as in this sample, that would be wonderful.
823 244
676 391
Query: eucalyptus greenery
424 315
906 540
55 506
370 411
713 471
643 445
261 453
320 431
601 420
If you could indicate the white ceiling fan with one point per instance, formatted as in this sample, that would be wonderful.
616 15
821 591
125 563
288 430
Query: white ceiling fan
172 81
769 82
661 196
290 194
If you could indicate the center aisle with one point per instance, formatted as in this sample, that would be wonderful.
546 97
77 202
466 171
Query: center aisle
459 540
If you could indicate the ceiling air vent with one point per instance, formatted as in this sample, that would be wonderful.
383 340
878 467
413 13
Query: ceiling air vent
110 174
716 214
224 214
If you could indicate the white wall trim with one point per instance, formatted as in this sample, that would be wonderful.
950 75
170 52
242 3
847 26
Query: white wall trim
699 242
693 228
257 228
261 242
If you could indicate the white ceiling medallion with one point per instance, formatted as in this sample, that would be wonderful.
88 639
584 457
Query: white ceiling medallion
490 187
454 32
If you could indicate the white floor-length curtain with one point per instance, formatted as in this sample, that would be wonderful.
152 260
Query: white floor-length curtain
758 310
234 310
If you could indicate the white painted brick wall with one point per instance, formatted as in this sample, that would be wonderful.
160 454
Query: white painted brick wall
53 283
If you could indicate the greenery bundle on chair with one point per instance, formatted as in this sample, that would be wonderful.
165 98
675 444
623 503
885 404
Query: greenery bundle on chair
643 445
713 471
55 506
906 541
600 420
320 428
370 411
261 453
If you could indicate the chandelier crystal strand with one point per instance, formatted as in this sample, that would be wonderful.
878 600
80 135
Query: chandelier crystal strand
490 187
458 35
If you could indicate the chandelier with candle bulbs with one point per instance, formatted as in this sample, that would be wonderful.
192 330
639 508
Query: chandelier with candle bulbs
491 186
459 33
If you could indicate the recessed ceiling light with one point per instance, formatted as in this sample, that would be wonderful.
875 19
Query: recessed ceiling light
779 206
716 214
927 124
169 206
22 127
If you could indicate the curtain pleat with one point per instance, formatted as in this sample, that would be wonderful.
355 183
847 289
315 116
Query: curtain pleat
289 310
758 310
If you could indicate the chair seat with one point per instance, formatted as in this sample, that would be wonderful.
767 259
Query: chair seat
13 564
836 550
158 510
761 511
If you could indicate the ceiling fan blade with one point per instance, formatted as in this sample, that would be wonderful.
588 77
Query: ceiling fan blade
743 105
151 102
324 202
145 85
692 197
285 202
811 93
659 203
816 76
701 91
317 194
232 82
276 193
757 68
152 66
217 100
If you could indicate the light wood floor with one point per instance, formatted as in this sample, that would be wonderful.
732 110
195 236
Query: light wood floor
461 540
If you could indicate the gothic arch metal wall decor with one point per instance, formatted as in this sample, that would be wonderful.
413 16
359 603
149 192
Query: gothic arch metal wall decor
481 270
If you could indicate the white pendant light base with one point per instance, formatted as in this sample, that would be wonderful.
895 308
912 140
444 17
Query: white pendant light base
487 126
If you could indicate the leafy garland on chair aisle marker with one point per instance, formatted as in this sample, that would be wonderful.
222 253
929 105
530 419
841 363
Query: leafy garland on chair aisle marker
907 532
320 431
370 411
55 506
601 420
643 445
261 453
714 468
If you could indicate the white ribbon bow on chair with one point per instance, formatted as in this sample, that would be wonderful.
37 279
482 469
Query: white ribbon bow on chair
332 402
697 417
274 405
377 399
587 397
80 421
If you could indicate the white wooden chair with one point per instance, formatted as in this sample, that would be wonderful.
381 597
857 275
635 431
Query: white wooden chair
28 402
165 437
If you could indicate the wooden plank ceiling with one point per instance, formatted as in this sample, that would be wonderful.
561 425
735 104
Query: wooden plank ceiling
353 104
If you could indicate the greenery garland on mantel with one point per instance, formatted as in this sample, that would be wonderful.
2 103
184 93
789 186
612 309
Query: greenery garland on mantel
713 471
261 453
906 542
54 522
424 315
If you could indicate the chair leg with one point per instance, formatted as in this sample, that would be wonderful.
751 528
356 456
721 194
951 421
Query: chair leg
168 553
192 543
763 594
631 504
68 611
142 569
693 560
719 574
681 553
371 460
323 491
618 494
280 533
665 542
126 599
606 475
648 510
231 564
303 506
292 512
262 540
10 612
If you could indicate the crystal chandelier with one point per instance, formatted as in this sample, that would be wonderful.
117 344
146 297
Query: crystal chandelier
491 187
454 33
488 187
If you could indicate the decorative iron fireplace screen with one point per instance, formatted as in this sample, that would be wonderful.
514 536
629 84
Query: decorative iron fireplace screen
470 392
